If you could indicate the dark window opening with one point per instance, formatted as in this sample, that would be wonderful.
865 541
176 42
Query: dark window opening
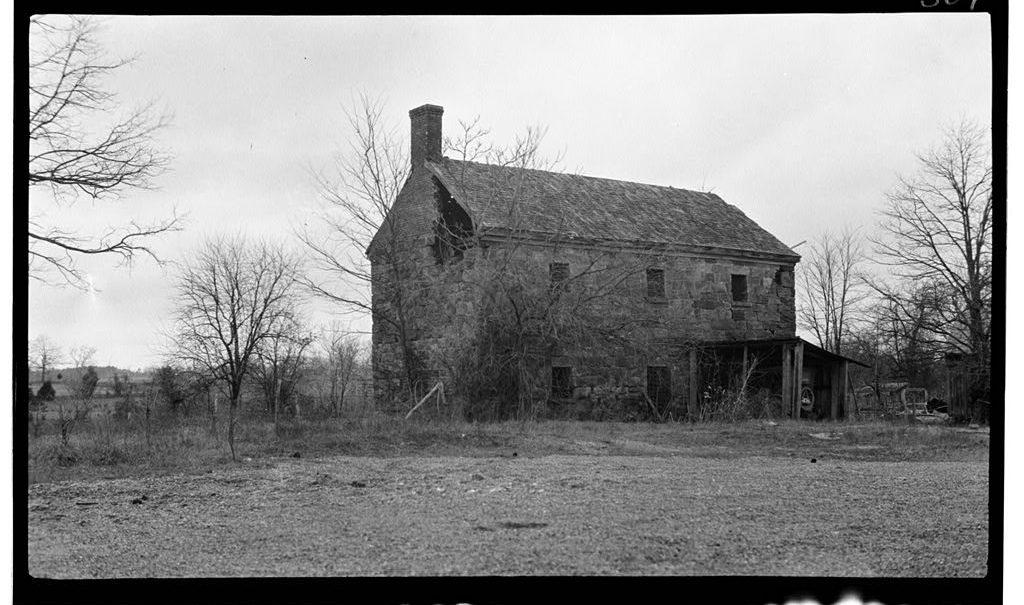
559 273
561 382
656 283
739 288
453 229
659 384
781 274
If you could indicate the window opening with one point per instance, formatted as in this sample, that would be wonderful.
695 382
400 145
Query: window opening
739 288
656 283
561 382
659 384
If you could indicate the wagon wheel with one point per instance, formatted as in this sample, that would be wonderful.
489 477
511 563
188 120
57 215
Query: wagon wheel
806 399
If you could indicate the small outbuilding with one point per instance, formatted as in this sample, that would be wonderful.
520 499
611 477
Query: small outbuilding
804 380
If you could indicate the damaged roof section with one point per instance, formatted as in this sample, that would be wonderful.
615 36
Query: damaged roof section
537 201
453 228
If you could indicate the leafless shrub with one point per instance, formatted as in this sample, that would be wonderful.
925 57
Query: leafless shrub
69 415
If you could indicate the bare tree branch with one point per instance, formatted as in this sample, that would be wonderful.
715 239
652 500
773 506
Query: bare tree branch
832 287
937 230
44 354
72 152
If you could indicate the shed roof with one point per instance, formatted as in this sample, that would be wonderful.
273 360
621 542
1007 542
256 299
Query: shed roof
541 201
810 349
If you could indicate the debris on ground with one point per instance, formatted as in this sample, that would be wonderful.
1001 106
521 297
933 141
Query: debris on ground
322 479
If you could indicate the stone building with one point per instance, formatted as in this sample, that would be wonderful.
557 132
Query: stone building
670 278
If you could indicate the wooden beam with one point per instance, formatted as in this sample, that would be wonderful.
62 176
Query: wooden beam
787 380
692 407
425 397
798 374
836 388
844 379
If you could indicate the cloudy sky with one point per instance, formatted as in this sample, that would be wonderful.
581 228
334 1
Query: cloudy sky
802 121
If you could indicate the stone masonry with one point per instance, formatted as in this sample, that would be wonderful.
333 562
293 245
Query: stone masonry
709 294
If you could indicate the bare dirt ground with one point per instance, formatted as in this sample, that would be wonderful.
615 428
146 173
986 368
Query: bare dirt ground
623 507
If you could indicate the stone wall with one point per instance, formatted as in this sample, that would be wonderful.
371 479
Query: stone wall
410 288
697 307
441 305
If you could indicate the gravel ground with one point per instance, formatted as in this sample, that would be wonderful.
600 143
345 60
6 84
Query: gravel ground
649 514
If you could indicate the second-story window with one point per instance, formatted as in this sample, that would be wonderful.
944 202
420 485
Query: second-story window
783 276
739 288
655 283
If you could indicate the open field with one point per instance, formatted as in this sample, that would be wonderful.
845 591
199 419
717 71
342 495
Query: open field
531 498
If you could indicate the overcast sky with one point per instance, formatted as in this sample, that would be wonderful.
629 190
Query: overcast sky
801 121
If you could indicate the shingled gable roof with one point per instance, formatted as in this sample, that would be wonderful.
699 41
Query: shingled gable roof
601 209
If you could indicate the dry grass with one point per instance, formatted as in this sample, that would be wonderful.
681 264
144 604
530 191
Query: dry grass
104 445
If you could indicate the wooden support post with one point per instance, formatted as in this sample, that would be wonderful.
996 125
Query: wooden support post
692 404
798 375
743 378
844 378
836 390
787 380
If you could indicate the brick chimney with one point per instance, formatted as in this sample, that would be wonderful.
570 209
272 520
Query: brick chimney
426 134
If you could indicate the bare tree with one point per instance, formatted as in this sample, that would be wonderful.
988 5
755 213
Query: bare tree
937 239
359 194
903 326
85 377
232 297
82 355
343 353
281 361
833 288
75 148
44 354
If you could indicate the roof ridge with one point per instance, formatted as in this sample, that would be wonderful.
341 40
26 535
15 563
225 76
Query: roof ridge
585 176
